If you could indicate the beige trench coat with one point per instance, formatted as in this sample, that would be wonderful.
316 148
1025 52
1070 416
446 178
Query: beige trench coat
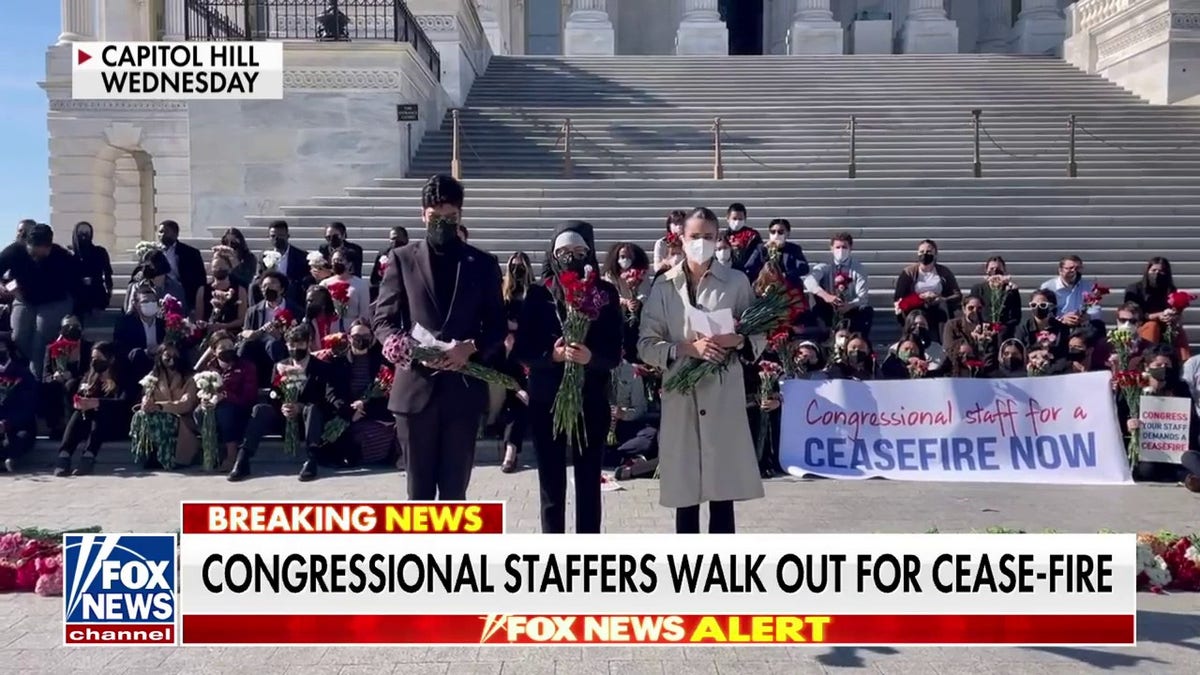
180 400
704 444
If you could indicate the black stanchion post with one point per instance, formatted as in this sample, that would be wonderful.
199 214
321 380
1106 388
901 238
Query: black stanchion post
852 170
975 115
568 167
1072 166
718 166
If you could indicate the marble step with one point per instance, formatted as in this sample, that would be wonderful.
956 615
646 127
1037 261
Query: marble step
618 209
390 197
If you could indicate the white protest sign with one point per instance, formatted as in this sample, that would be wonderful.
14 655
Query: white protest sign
1057 430
1164 431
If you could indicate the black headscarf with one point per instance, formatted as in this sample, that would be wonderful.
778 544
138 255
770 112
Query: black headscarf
583 230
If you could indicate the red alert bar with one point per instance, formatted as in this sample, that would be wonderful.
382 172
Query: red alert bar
1011 630
343 518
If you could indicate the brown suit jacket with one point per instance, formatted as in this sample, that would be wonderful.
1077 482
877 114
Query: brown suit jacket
407 297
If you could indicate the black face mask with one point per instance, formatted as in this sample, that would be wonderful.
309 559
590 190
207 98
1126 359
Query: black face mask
926 258
280 243
100 365
271 294
1077 355
227 355
4 357
169 364
441 231
857 357
1041 312
922 336
83 239
335 240
360 343
1157 374
573 262
235 244
168 240
297 354
220 275
1014 362
397 243
518 271
150 271
339 268
315 309
72 332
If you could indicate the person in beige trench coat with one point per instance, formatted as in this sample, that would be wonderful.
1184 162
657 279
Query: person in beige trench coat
705 449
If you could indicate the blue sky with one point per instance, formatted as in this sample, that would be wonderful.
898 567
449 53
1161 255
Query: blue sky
32 26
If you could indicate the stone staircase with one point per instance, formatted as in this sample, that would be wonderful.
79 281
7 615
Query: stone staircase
642 144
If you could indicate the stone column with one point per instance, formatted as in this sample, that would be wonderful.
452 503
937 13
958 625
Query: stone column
701 31
78 21
589 32
814 30
1040 28
927 30
994 26
173 28
490 20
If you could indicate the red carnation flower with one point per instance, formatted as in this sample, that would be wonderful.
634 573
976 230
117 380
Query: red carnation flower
1180 300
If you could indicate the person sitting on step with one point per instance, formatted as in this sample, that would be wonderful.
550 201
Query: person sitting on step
103 408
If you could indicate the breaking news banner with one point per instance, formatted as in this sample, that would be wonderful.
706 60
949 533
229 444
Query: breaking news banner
336 574
215 71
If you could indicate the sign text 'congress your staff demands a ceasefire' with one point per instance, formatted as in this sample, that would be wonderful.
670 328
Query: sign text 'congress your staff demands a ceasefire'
790 573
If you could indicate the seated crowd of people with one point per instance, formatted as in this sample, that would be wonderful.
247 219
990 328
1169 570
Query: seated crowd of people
254 318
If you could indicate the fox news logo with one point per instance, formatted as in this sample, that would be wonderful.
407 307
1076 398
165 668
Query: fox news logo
119 589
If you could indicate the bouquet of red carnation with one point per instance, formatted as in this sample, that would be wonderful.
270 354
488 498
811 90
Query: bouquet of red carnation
60 353
177 328
1130 384
340 292
7 385
788 352
584 301
171 305
1094 297
633 278
383 264
974 365
741 239
769 374
283 319
1045 338
288 384
673 240
1180 300
381 386
765 315
336 343
917 368
910 302
843 286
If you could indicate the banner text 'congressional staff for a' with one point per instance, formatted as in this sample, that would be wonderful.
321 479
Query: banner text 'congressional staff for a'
1060 430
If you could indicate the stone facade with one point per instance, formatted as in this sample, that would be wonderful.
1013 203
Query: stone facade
1150 47
126 165
625 27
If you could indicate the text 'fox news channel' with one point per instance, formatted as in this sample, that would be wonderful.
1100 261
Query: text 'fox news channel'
336 573
177 70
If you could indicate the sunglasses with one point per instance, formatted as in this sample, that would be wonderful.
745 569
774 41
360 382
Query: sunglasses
1125 319
1039 305
778 231
995 273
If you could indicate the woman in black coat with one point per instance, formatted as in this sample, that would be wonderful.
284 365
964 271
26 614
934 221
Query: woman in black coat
540 347
95 273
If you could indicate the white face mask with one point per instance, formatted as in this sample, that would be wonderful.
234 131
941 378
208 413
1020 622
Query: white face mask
700 250
1125 325
724 256
778 239
736 225
677 228
149 309
625 263
840 255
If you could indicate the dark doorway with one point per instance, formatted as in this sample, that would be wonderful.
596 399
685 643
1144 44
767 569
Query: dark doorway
744 19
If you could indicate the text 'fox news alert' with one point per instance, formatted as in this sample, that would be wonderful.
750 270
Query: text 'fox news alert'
214 71
119 589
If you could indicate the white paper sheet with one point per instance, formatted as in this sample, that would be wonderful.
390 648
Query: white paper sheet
700 322
427 339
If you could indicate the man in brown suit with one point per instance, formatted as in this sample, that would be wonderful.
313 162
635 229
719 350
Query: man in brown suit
452 289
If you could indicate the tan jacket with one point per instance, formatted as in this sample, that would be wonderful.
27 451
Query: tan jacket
180 400
705 448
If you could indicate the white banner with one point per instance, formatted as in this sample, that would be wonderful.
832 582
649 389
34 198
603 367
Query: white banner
1058 430
1165 425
